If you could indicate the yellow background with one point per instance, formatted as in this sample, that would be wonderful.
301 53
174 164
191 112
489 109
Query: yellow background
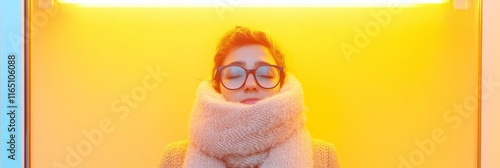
373 108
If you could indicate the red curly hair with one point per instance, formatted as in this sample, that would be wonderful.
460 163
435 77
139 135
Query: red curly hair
241 36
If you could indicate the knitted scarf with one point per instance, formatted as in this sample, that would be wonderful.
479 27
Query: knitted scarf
268 134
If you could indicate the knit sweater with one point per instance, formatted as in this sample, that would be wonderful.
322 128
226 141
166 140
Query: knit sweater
268 134
324 155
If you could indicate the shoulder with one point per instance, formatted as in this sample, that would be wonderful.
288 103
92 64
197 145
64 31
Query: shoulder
173 154
325 154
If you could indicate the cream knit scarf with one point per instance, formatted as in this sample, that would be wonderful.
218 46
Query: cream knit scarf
267 134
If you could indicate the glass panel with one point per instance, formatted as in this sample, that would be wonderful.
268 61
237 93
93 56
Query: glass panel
390 86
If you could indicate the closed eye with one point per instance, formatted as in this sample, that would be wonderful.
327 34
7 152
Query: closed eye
266 76
233 76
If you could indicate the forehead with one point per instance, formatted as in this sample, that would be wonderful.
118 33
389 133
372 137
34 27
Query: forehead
250 56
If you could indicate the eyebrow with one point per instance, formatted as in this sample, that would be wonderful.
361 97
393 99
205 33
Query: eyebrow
241 63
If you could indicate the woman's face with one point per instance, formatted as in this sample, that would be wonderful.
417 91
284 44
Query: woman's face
249 57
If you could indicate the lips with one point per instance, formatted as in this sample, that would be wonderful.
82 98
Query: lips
250 101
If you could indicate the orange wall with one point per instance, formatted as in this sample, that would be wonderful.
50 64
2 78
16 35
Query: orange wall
95 102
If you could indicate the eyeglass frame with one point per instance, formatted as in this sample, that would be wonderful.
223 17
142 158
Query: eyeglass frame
248 72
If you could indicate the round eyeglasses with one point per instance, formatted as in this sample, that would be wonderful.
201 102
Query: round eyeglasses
233 77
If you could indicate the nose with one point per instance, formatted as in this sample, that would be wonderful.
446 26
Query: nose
250 84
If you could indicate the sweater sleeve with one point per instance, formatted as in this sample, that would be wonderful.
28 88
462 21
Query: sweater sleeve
325 155
173 155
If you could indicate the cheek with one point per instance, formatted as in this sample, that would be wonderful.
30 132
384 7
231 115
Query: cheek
273 91
229 95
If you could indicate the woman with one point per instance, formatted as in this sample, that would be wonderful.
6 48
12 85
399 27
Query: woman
251 114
